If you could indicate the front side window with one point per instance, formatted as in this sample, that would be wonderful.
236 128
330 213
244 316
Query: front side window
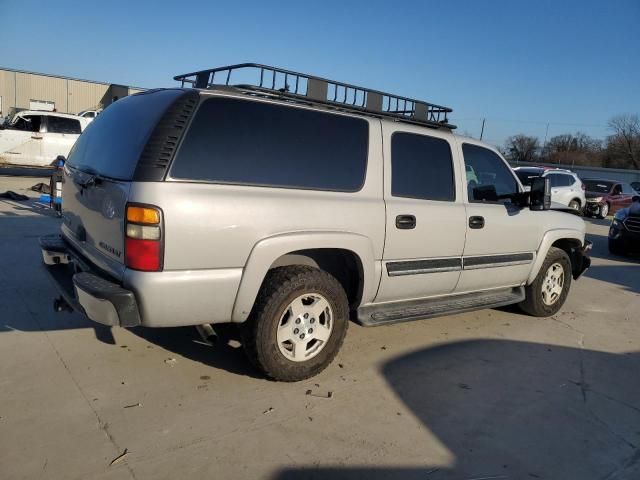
422 167
63 125
627 190
494 177
254 143
27 123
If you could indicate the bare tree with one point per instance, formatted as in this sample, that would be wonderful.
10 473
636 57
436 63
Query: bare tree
522 148
625 142
573 149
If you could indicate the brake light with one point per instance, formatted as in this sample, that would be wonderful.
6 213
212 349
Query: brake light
143 239
583 187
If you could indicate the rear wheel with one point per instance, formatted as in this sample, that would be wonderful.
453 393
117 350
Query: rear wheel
298 323
548 292
604 211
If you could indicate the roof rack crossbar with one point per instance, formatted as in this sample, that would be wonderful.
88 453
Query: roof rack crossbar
267 80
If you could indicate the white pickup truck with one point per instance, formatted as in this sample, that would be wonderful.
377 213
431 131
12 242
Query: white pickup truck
35 138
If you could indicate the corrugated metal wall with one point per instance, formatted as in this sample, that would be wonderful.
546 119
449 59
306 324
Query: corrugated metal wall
85 95
17 89
39 87
7 90
591 172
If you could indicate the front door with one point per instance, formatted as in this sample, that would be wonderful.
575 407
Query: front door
501 238
21 144
425 220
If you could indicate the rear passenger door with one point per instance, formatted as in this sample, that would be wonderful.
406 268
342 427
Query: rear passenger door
501 238
425 220
62 133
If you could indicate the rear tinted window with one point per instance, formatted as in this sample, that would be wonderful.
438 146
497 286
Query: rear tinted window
62 125
421 167
526 177
254 143
598 186
111 144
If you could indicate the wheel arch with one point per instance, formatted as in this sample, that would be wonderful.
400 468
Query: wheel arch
565 239
348 257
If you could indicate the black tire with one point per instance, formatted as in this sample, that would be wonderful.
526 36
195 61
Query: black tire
533 303
575 204
280 287
614 248
604 211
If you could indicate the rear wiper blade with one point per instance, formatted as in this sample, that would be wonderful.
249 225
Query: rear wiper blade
93 179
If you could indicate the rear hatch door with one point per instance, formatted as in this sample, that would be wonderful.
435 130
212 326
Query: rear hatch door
98 175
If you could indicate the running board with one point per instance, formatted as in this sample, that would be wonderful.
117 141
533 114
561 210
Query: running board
382 314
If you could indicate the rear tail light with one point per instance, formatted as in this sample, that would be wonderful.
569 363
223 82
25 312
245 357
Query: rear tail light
583 187
143 239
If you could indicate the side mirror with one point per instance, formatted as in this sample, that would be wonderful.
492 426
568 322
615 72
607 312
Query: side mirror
60 161
540 194
485 193
635 198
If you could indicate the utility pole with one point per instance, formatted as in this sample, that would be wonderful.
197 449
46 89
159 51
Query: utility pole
482 130
546 132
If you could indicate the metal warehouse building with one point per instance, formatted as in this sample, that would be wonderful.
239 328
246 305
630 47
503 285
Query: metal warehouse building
40 91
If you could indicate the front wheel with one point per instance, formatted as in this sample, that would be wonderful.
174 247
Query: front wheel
297 324
548 292
604 211
614 247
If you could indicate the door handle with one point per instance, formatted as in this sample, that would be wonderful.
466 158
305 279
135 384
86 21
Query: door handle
36 138
405 222
476 222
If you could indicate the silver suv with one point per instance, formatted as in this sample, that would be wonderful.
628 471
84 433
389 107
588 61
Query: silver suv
290 204
566 187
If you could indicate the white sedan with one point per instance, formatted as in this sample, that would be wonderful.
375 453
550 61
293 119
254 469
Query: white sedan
35 138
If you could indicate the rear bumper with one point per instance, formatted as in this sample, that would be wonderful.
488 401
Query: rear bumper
86 290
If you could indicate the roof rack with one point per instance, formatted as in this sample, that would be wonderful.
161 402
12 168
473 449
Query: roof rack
263 79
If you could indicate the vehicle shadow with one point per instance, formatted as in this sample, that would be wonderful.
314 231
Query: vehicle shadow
514 410
224 353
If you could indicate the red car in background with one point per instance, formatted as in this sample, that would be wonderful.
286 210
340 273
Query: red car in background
606 196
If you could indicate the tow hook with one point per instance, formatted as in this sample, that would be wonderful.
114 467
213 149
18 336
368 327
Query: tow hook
61 305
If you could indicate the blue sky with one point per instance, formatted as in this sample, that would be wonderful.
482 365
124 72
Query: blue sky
518 64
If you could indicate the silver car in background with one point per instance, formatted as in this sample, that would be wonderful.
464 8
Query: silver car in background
566 187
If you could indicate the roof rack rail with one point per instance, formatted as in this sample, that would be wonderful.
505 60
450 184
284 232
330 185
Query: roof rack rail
264 79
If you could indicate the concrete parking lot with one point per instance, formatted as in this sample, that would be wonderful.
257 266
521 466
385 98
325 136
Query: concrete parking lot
491 394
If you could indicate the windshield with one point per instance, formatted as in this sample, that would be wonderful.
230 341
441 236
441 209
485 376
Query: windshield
111 145
526 177
599 186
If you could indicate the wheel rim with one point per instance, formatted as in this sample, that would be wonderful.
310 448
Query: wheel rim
604 210
553 284
305 327
575 205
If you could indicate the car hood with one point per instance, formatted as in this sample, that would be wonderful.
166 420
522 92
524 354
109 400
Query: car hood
631 211
589 194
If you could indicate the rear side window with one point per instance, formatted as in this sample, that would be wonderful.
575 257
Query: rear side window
254 143
112 143
560 180
422 167
63 125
